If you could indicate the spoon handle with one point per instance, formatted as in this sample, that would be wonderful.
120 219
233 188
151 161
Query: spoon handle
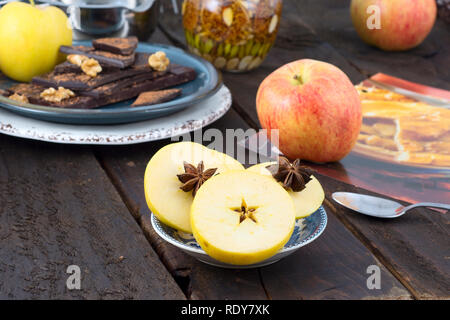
427 204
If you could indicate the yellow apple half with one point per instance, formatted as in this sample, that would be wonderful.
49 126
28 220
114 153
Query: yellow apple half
216 217
30 37
307 201
166 200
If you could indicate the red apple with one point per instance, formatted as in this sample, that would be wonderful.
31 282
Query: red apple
403 24
315 107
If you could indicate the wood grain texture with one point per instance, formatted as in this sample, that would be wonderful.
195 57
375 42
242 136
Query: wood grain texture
126 166
332 38
295 41
330 265
427 64
58 208
415 247
421 264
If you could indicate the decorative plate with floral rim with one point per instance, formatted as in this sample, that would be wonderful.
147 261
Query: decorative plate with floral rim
306 230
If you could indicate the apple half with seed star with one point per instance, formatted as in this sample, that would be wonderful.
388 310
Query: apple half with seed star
307 200
173 176
242 217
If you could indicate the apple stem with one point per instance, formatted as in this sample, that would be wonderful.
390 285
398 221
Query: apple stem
298 78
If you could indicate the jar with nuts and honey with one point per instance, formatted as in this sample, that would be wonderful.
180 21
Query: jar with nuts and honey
234 35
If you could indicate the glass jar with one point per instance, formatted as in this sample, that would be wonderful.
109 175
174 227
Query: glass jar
234 35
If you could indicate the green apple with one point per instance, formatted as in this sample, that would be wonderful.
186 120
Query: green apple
242 217
30 37
307 201
166 200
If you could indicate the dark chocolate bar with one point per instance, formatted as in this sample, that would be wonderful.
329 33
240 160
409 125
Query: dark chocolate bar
160 82
33 93
81 81
103 57
108 88
141 61
80 101
123 46
67 67
153 97
180 72
166 81
72 81
177 69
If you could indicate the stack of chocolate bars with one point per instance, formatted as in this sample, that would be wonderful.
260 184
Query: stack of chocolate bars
113 72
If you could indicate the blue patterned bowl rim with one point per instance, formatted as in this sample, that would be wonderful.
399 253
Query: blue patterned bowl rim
319 215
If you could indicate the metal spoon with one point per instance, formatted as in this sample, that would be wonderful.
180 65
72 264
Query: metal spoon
379 207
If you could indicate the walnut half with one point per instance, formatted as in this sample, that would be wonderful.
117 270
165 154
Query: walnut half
19 98
77 59
159 61
91 67
53 95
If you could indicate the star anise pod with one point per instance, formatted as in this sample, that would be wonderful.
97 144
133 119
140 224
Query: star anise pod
291 175
193 178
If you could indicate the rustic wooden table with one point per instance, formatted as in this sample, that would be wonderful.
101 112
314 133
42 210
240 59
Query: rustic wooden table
63 205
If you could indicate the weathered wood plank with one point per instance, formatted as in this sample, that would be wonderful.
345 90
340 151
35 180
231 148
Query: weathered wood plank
295 41
426 64
332 267
126 166
414 247
332 38
58 208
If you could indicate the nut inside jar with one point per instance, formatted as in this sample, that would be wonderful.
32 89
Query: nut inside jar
234 35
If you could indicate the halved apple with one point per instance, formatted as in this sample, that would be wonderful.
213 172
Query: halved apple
164 197
241 217
307 201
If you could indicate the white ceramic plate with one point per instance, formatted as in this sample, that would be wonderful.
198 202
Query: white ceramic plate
189 119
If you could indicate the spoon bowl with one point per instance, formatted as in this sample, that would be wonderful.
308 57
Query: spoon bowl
379 207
